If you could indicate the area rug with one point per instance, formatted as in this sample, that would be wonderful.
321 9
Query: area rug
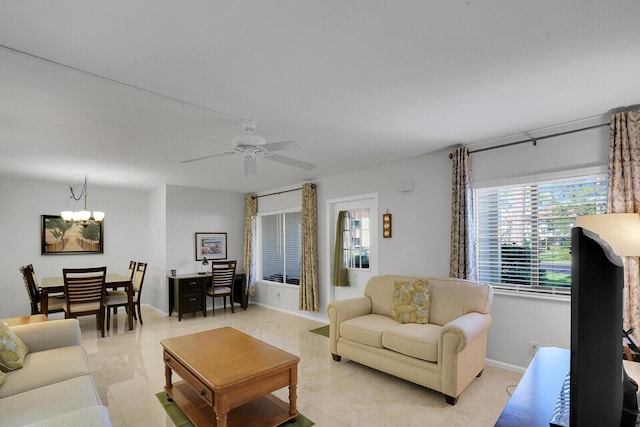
322 330
180 419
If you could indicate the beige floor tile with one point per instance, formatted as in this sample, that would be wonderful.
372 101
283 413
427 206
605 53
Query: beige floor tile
129 371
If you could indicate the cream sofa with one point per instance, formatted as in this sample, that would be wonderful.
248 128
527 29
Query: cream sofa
444 355
54 387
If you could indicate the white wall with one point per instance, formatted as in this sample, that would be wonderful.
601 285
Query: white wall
159 227
421 225
517 319
154 289
191 210
421 218
24 201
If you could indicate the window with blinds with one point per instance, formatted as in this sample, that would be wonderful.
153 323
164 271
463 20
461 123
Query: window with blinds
281 242
523 232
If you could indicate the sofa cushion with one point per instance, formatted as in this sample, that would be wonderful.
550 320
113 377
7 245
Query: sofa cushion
46 367
410 302
380 290
96 416
12 349
48 401
366 329
453 298
413 339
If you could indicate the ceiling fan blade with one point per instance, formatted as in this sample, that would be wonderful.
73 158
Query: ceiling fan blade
291 162
281 146
207 157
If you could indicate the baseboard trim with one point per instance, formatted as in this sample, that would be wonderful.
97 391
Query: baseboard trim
294 313
506 366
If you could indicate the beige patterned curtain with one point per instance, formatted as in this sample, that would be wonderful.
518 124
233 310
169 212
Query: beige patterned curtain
249 264
462 251
340 270
624 197
308 294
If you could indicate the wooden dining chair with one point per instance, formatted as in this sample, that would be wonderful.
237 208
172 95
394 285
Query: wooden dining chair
223 275
84 291
119 298
132 269
55 302
113 292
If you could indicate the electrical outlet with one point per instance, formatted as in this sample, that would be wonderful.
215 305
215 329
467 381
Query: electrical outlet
533 348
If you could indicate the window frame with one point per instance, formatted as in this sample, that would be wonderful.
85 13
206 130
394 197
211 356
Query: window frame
535 291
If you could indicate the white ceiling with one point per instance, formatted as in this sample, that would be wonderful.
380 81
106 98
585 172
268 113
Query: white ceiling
122 90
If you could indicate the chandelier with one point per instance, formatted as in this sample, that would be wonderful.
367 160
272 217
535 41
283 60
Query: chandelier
84 216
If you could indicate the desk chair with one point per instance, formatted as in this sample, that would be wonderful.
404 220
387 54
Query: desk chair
222 279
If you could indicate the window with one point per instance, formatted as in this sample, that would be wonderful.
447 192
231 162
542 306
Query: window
523 231
356 239
281 242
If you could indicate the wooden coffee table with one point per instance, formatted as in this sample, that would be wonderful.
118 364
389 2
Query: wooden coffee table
228 377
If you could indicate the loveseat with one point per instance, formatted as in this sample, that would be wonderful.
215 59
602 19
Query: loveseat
54 387
444 354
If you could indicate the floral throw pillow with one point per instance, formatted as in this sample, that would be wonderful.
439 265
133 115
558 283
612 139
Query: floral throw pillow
12 349
411 302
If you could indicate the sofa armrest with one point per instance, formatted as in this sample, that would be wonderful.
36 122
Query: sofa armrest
51 334
341 310
466 328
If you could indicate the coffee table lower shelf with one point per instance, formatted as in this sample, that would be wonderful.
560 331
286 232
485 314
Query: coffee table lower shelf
265 411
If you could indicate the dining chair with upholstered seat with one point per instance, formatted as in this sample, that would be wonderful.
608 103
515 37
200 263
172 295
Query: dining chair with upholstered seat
113 292
84 291
222 279
119 298
55 302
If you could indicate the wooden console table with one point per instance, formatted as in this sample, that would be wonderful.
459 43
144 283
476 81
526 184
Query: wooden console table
188 292
534 400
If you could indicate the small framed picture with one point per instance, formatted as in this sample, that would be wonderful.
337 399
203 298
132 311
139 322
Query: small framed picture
211 246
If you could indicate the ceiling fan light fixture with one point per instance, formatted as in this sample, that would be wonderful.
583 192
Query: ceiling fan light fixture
248 140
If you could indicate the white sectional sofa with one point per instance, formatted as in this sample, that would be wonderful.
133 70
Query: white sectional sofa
445 354
55 386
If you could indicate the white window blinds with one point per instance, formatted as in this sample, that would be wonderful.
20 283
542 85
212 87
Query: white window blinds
281 242
523 231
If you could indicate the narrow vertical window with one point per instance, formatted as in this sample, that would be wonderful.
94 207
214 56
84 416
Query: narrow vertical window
281 237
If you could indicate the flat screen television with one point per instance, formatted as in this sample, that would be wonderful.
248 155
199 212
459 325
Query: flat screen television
598 382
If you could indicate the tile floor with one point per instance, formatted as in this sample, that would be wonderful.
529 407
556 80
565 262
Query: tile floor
129 371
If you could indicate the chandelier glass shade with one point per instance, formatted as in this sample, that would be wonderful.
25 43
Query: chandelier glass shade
83 216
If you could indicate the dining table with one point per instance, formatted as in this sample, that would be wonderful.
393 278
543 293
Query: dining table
112 281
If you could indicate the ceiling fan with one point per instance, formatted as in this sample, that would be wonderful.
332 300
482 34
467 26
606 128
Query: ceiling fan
251 146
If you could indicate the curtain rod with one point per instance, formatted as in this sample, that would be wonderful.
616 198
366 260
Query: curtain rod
535 139
280 192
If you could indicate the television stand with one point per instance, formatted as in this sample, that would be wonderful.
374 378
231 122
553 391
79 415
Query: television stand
534 400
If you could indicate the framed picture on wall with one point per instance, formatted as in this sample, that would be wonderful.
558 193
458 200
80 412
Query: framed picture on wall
59 237
211 246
